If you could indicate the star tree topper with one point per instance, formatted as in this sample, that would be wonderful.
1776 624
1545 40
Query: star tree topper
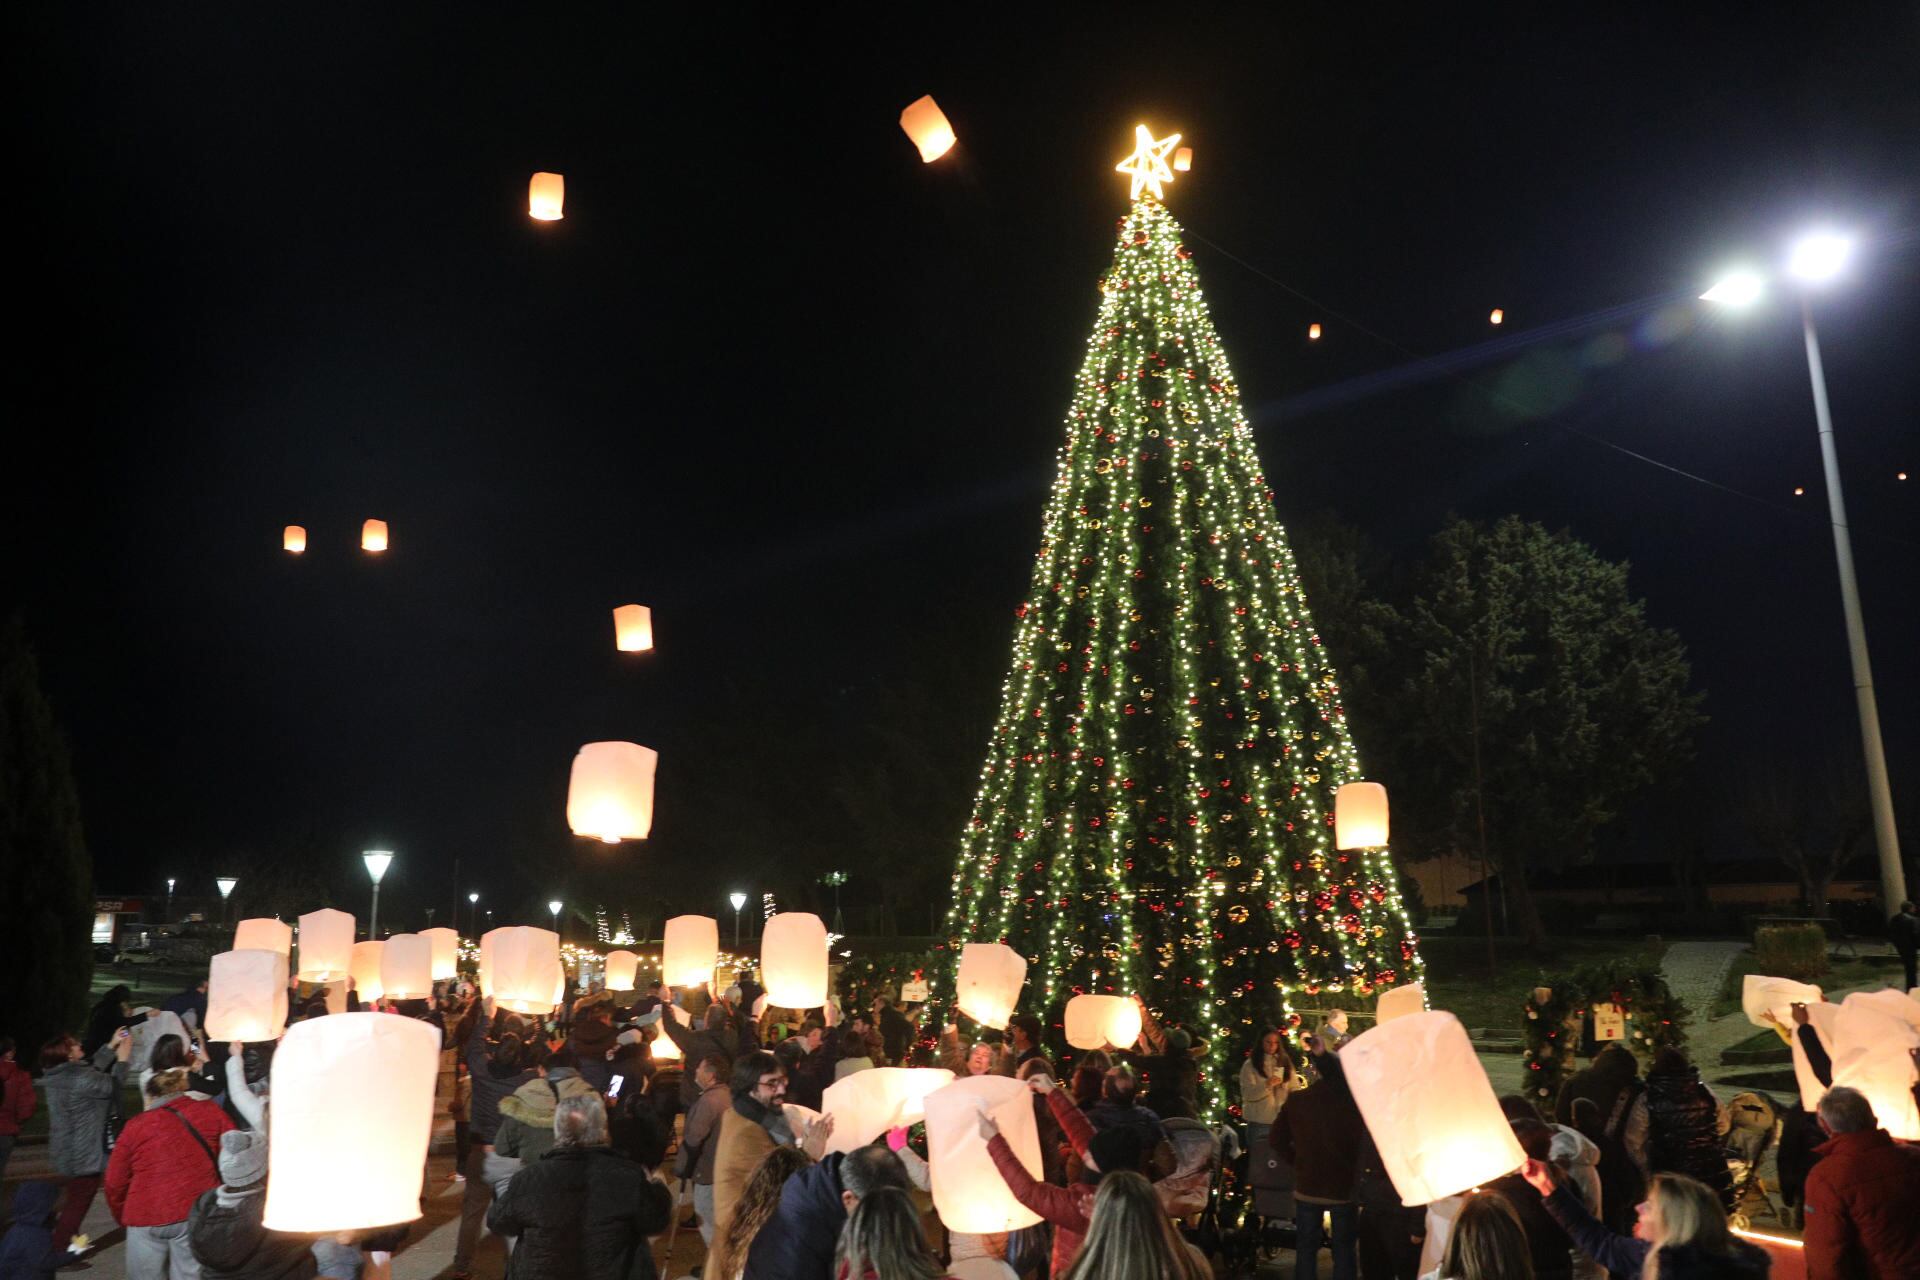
1148 163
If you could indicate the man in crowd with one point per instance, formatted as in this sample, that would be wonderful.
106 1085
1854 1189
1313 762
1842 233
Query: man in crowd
1023 1033
189 1005
798 1242
714 1038
700 1141
1320 1134
896 1033
809 1066
1903 931
753 1124
1863 1197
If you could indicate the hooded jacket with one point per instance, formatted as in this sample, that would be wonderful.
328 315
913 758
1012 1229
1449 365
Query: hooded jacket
231 1241
27 1252
582 1213
1863 1208
526 1116
79 1095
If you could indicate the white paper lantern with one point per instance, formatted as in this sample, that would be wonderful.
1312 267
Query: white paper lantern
1760 994
1183 160
247 996
793 960
1360 816
485 969
446 951
365 969
406 967
326 945
623 969
148 1033
968 1192
525 969
1102 1022
263 933
633 628
689 948
927 125
867 1104
547 197
610 795
1429 1106
294 538
664 1049
1398 1002
348 1168
988 986
1873 1037
373 535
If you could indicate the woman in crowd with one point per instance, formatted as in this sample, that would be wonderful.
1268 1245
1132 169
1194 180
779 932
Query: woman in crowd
164 1162
1067 1208
170 1053
1131 1238
1266 1078
79 1095
757 1204
1682 1232
1487 1243
111 1012
1685 1133
882 1240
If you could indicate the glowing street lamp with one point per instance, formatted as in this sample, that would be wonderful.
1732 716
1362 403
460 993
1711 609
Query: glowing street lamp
554 907
738 900
377 861
473 901
225 884
169 900
1819 257
1736 289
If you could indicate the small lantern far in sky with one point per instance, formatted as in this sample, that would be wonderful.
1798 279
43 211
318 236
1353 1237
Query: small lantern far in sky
610 793
968 1192
927 125
373 535
1102 1022
263 933
623 970
446 951
1398 1002
326 945
365 969
293 538
547 197
633 628
689 949
406 966
866 1104
524 965
1360 816
1313 332
793 960
1497 316
1183 160
987 988
247 996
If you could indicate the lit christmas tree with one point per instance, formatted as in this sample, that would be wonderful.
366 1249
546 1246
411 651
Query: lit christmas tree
1155 812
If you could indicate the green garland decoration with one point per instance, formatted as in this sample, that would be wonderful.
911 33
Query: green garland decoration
1555 1017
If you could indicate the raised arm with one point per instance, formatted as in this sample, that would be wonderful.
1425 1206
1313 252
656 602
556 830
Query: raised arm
1073 1121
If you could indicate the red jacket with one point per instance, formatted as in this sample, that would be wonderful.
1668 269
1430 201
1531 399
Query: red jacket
17 1099
1067 1208
158 1170
1863 1209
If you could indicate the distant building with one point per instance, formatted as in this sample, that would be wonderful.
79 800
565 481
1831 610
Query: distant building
117 919
1649 895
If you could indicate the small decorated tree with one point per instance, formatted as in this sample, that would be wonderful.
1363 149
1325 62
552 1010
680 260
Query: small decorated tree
1560 1019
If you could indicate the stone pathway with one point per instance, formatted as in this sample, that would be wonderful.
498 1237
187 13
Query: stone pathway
1695 970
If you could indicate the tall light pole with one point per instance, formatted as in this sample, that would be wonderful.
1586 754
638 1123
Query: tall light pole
169 919
1816 259
738 900
225 884
554 907
473 900
377 861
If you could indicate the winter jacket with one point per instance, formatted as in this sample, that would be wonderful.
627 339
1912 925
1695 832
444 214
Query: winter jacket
490 1087
1112 1115
158 1170
526 1118
1320 1134
744 1141
1548 1245
581 1213
700 1140
799 1240
590 1043
1863 1209
227 1235
1577 1157
696 1043
1683 1131
79 1096
1624 1255
27 1252
896 1033
1171 1083
808 1078
1068 1208
17 1100
1613 1085
1260 1102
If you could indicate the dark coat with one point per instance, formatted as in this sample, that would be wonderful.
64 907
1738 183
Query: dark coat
1613 1073
1624 1255
27 1252
1548 1244
581 1213
1683 1131
1320 1133
896 1033
1903 931
232 1243
490 1086
698 1042
1863 1208
799 1240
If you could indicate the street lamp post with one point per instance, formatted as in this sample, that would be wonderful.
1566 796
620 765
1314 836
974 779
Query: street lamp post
554 907
473 900
225 884
738 900
377 861
169 919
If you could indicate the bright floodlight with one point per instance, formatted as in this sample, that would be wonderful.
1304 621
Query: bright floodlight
473 897
376 860
738 900
554 906
1819 256
225 885
1739 289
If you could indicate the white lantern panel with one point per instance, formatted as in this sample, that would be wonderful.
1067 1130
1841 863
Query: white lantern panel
623 970
326 945
793 960
664 1049
446 952
365 969
1874 1036
247 996
867 1104
610 794
486 961
689 948
988 986
1102 1022
1360 816
1429 1106
263 933
968 1192
927 125
349 1168
547 197
633 628
525 961
1823 1018
1398 1002
406 967
1760 994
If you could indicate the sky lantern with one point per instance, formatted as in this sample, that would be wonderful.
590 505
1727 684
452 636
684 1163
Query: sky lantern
633 628
793 960
623 970
1183 160
406 967
365 970
373 535
348 1168
446 951
293 538
867 1104
1398 1002
1102 1022
988 986
326 945
247 996
1360 816
546 197
610 795
1873 1037
1497 316
927 125
1761 995
1313 331
524 963
968 1192
689 949
1429 1107
263 933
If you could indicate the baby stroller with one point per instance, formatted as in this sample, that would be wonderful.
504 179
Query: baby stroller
1753 1126
1191 1193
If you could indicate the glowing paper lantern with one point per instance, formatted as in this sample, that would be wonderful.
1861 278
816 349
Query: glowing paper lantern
546 197
867 1104
1360 816
1873 1036
335 1168
1183 160
1760 995
664 1049
968 1192
988 987
326 945
1102 1022
293 538
610 795
365 970
526 971
1429 1107
1398 1002
1313 331
1497 316
689 948
446 951
927 125
247 996
623 969
263 933
633 628
373 535
406 967
793 960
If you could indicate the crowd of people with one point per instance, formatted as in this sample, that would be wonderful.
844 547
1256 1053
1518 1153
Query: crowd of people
578 1139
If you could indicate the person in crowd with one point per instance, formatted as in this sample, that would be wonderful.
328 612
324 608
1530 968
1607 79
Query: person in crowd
458 1105
883 1240
1622 1185
172 1053
799 1241
189 1005
754 1124
248 1071
1389 1235
1334 1032
896 1033
163 1162
1903 931
1548 1243
1130 1237
1681 1232
226 1231
525 1131
17 1101
700 1140
496 1070
1863 1196
809 1065
1266 1078
80 1096
714 1037
758 1201
1023 1037
1319 1133
1612 1084
1487 1243
854 1051
110 1013
981 1058
591 1040
1168 1067
1055 1149
1068 1208
1685 1131
1572 1152
1089 1081
27 1251
1120 1107
583 1212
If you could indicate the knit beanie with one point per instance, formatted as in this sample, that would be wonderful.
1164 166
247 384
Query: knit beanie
243 1158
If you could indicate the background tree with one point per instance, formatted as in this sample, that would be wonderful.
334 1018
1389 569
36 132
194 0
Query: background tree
1813 821
46 877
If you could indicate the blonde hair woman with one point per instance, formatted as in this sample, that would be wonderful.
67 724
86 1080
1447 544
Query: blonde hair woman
1681 1233
1487 1243
1131 1238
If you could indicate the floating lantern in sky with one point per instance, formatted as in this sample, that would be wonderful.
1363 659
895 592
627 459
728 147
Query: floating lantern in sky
247 996
793 960
524 963
326 945
623 969
1427 1103
1398 1002
968 1192
1497 316
446 952
1102 1022
1360 816
406 967
546 196
1313 332
333 1168
293 538
610 795
1799 491
689 948
373 535
1183 160
365 970
866 1104
633 628
263 933
927 125
988 985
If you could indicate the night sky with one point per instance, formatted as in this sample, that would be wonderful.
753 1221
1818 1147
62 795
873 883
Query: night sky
801 393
